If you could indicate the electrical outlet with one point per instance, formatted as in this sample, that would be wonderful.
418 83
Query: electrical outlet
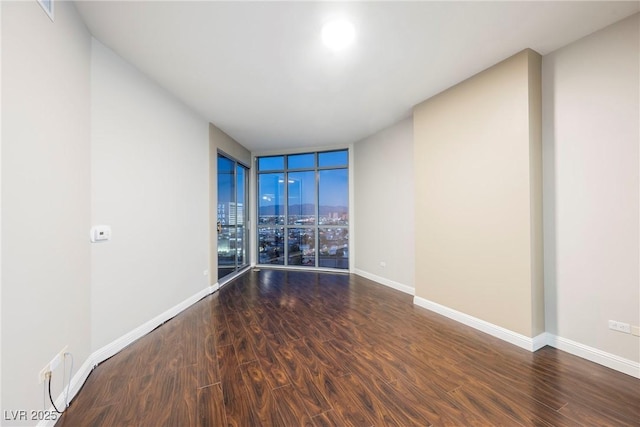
53 364
620 326
55 361
43 374
635 330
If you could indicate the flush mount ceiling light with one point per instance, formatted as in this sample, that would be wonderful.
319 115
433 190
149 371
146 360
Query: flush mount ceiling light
337 35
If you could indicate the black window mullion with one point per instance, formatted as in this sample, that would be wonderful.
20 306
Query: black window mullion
286 226
286 213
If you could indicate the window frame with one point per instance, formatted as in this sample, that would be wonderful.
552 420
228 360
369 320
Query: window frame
285 227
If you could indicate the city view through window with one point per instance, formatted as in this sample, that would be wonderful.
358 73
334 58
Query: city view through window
233 181
303 209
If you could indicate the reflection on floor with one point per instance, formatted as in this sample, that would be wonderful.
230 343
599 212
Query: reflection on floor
283 348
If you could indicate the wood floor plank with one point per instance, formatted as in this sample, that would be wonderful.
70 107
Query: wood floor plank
237 407
524 410
210 407
268 322
435 404
102 416
104 388
596 387
140 392
208 372
396 409
368 402
243 347
586 415
351 409
327 419
180 341
148 353
289 329
324 355
154 406
183 401
280 348
315 401
495 413
291 407
521 382
223 335
275 372
259 395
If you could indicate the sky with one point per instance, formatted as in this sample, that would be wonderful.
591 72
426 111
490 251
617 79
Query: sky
332 183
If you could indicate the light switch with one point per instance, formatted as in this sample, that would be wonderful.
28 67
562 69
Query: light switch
100 233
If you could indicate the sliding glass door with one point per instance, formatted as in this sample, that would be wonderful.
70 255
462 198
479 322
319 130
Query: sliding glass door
232 218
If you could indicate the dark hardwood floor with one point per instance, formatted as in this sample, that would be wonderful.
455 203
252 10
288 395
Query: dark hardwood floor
276 348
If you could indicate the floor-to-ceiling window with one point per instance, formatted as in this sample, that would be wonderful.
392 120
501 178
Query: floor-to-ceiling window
303 209
232 218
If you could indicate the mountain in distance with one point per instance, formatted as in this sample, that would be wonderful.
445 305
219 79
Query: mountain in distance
307 209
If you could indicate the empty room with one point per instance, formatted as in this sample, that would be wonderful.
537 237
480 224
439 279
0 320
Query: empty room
300 213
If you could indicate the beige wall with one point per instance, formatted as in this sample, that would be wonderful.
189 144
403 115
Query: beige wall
535 188
477 244
45 197
221 142
591 188
384 200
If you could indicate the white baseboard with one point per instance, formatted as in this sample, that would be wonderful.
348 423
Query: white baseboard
390 283
522 341
541 340
114 347
595 355
600 357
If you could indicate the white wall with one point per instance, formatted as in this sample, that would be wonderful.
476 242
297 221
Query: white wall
1 407
45 196
149 182
591 192
87 139
384 206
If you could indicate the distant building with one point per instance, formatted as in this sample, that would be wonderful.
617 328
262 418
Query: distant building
231 213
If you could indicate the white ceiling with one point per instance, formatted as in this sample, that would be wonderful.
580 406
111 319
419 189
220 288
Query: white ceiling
259 71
